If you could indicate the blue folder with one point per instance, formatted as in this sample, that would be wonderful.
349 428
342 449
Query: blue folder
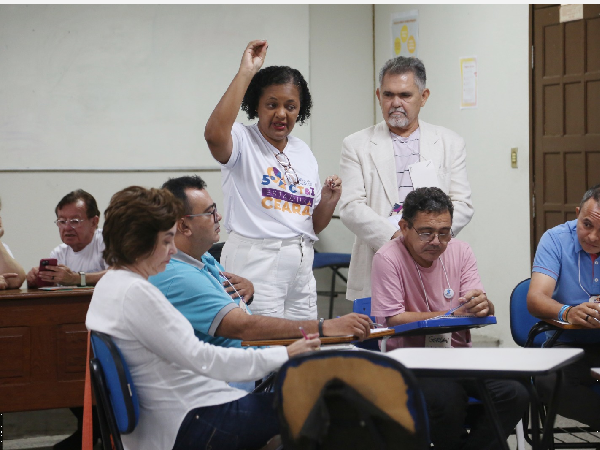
443 324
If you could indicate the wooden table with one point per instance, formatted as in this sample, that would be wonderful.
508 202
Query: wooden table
42 349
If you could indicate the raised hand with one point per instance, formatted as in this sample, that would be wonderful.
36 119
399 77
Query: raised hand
254 56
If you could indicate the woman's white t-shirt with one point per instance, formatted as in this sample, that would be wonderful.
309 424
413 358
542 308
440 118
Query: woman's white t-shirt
172 370
259 201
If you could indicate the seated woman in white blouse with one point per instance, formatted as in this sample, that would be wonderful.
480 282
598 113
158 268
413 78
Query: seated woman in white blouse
185 401
12 274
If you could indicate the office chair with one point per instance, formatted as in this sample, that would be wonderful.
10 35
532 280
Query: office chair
116 398
343 399
528 331
335 261
216 250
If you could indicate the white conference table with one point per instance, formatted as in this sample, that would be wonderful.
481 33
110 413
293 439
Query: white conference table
484 363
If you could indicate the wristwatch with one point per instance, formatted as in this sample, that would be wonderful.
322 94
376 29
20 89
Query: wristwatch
82 283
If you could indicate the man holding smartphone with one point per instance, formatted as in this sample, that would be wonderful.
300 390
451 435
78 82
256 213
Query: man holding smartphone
79 258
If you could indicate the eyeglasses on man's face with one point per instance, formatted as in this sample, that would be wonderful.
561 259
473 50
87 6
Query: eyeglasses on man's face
211 213
75 223
290 173
429 237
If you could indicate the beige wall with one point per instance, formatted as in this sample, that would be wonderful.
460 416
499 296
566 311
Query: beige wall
333 47
313 39
341 82
499 37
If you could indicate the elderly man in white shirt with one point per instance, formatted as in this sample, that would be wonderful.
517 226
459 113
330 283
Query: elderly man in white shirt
79 257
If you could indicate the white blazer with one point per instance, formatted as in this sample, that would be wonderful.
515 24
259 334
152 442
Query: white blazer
368 171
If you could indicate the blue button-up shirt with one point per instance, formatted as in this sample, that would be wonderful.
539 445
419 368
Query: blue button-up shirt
560 256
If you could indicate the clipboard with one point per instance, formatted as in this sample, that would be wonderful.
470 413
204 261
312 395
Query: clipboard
442 324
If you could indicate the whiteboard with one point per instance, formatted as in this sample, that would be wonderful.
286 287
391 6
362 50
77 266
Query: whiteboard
128 86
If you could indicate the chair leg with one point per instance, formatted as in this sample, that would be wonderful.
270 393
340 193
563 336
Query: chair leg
332 293
520 436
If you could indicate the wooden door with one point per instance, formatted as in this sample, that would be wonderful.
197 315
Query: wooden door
565 114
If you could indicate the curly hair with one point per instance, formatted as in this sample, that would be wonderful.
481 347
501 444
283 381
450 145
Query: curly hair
91 207
133 220
426 199
276 75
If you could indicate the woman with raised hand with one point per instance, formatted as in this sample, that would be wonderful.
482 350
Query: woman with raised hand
275 204
185 402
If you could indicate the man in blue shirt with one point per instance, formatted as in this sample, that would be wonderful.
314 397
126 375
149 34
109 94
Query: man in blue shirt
565 286
196 284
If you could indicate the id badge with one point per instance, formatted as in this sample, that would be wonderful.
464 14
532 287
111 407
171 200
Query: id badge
595 299
438 340
243 306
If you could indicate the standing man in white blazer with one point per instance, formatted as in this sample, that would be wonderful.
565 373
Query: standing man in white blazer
381 164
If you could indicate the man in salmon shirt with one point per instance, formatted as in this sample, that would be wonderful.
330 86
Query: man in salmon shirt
420 275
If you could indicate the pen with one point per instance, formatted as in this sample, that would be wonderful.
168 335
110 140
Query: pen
303 333
376 325
453 309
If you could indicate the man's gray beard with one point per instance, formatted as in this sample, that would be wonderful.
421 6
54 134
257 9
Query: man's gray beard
398 122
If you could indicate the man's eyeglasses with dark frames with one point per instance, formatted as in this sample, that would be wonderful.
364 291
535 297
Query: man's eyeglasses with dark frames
212 213
429 237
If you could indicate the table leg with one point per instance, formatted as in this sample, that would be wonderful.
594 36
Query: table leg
491 413
534 415
548 427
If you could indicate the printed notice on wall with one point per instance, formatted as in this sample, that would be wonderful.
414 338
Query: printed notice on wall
405 34
468 75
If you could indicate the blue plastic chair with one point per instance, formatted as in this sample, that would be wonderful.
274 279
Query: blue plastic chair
116 398
363 306
529 331
526 330
344 399
335 261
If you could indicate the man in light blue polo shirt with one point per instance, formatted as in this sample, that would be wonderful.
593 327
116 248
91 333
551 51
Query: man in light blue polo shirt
196 284
565 285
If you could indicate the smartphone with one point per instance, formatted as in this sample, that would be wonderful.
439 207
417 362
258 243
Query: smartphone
45 262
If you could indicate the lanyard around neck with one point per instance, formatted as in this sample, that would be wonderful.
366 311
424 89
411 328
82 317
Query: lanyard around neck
423 285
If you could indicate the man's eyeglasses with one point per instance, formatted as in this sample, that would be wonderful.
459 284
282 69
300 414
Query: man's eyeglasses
429 237
61 223
212 213
290 174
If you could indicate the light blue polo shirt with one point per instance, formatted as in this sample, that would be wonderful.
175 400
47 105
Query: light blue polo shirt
558 255
194 288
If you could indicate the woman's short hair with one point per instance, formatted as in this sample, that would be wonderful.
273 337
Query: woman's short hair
276 75
133 220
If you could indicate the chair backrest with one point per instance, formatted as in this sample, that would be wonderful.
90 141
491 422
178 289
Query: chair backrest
343 399
363 306
113 386
216 250
521 320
